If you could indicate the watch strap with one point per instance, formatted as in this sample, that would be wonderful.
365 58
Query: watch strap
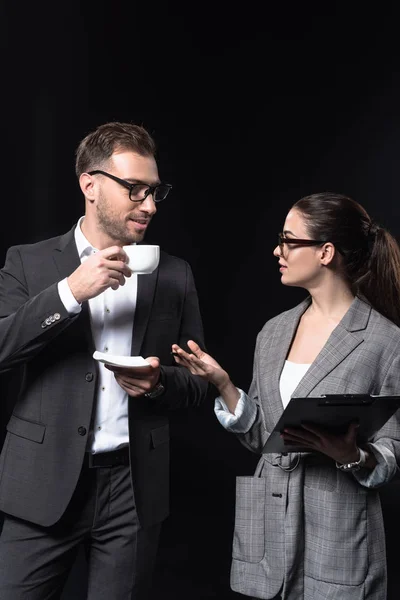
354 466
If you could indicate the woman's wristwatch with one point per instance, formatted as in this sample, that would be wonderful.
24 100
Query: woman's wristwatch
354 466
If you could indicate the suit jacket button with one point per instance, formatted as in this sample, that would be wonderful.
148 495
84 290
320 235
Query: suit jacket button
82 430
89 376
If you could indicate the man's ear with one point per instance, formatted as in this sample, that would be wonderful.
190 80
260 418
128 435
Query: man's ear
87 184
328 252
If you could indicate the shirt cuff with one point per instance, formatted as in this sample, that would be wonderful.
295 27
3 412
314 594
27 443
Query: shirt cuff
67 298
244 417
384 470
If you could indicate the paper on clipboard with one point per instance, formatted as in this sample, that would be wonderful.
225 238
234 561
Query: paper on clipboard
333 412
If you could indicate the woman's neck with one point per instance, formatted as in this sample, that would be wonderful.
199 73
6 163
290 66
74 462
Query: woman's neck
331 300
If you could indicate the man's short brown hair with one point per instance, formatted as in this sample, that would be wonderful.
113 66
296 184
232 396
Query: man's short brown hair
99 145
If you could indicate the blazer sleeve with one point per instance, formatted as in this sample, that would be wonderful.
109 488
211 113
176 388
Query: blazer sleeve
389 435
27 322
257 436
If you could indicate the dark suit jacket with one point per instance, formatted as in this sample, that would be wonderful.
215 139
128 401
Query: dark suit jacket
47 434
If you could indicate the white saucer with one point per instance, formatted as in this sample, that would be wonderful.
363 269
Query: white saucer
120 361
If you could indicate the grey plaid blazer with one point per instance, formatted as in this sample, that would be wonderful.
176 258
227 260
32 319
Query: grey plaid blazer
313 532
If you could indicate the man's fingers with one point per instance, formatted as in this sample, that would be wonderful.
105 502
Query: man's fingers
118 266
154 361
113 253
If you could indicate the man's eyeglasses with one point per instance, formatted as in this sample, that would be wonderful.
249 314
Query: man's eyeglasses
282 239
139 191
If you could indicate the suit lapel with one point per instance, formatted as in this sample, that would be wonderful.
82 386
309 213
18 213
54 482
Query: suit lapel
145 293
66 258
273 353
65 254
346 336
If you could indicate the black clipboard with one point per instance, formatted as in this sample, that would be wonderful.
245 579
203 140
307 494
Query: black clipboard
334 412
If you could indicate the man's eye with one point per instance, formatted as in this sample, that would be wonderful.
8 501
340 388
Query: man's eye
138 190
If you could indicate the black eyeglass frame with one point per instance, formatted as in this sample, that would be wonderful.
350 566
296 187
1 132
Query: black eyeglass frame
282 239
151 189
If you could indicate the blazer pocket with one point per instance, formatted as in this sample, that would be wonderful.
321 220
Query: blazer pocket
26 429
335 527
248 537
159 436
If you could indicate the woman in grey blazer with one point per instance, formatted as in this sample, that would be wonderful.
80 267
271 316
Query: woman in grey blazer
309 525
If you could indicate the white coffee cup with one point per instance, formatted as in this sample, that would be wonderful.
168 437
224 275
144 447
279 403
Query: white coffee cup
142 258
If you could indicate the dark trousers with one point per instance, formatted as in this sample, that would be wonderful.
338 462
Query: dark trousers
35 561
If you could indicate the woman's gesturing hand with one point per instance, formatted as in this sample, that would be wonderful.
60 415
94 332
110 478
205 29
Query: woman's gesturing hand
200 363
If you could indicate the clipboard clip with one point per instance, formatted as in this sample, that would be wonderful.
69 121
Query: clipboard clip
346 400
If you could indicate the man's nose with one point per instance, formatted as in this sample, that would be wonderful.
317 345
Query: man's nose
148 205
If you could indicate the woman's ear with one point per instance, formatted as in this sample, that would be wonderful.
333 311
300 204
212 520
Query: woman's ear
328 252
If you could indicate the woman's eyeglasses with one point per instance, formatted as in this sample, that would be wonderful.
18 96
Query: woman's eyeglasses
282 239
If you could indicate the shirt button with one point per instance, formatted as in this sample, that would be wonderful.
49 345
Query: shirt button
82 430
103 388
105 349
99 428
89 376
107 310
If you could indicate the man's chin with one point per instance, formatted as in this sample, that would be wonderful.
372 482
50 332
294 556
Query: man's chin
133 239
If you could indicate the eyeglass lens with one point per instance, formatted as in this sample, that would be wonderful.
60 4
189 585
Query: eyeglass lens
140 191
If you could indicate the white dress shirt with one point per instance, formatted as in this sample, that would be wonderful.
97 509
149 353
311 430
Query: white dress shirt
111 315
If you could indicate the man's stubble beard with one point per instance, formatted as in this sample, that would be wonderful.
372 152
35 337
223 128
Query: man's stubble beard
112 226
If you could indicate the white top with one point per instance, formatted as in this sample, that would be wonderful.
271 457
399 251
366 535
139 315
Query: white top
111 314
292 374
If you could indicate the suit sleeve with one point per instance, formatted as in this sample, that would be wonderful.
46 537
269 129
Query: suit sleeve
27 322
255 438
387 439
183 388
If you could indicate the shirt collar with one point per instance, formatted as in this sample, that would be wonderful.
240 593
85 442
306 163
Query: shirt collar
83 246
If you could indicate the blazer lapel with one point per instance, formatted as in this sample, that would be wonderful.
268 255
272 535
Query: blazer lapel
145 293
66 258
65 254
272 361
346 336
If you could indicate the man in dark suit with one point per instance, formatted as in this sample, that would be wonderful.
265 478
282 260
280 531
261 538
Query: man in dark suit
86 456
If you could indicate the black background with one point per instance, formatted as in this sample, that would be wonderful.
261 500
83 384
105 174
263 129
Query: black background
253 105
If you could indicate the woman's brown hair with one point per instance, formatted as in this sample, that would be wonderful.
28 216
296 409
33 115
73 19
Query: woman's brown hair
370 254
